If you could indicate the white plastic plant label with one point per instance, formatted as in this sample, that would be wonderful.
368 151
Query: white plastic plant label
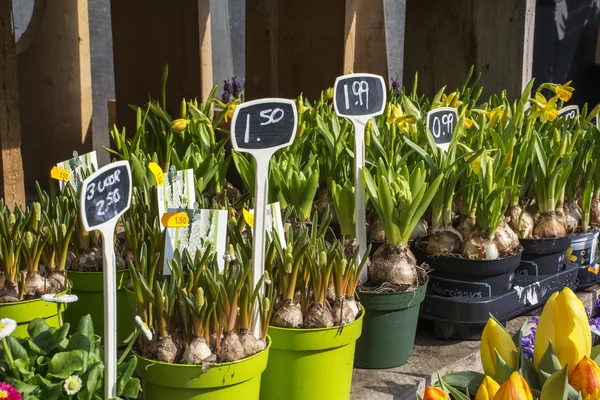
274 223
206 227
177 192
79 167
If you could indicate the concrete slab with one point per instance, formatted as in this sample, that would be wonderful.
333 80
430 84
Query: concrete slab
432 355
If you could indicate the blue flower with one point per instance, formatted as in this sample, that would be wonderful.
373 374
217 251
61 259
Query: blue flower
396 85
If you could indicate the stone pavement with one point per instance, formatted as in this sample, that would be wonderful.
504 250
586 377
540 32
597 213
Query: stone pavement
430 356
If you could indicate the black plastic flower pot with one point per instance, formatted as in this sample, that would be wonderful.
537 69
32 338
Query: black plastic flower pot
543 256
457 276
389 328
545 246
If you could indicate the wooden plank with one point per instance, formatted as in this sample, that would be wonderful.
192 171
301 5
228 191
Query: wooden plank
111 106
291 48
370 47
12 188
350 37
444 38
147 35
55 87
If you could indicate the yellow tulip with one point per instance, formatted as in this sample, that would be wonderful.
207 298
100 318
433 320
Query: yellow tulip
179 125
564 323
434 393
495 338
586 376
487 390
516 388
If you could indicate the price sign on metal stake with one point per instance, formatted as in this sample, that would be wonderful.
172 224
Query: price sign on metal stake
261 127
105 196
359 97
441 122
568 112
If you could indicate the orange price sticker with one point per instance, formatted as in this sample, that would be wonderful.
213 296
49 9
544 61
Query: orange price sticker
175 220
248 217
60 174
158 173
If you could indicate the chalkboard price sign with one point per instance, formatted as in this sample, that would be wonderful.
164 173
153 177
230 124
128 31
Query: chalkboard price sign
569 112
261 127
106 194
264 124
359 95
441 122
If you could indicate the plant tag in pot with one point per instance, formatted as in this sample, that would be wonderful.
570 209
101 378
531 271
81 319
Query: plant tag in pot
359 97
105 196
261 127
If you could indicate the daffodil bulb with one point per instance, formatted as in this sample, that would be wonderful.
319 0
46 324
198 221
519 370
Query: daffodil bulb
7 326
72 385
145 329
57 298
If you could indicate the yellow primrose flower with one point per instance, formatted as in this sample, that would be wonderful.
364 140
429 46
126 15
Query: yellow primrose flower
545 109
564 91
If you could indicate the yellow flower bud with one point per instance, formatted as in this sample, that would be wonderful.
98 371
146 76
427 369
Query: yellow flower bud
487 390
199 298
516 388
435 393
183 108
563 322
495 339
586 376
179 125
28 239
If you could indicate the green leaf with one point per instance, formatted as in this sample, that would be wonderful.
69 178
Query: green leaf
17 350
503 370
36 327
86 327
556 387
79 341
549 364
66 363
464 380
58 336
124 373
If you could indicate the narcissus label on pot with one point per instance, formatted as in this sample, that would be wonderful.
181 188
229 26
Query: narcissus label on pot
158 173
60 174
175 220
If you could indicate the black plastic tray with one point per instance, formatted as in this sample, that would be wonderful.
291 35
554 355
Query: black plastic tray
465 317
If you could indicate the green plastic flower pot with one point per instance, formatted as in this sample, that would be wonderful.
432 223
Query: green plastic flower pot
227 381
389 329
89 287
311 364
23 312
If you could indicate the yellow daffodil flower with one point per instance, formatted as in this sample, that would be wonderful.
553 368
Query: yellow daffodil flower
564 91
544 109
